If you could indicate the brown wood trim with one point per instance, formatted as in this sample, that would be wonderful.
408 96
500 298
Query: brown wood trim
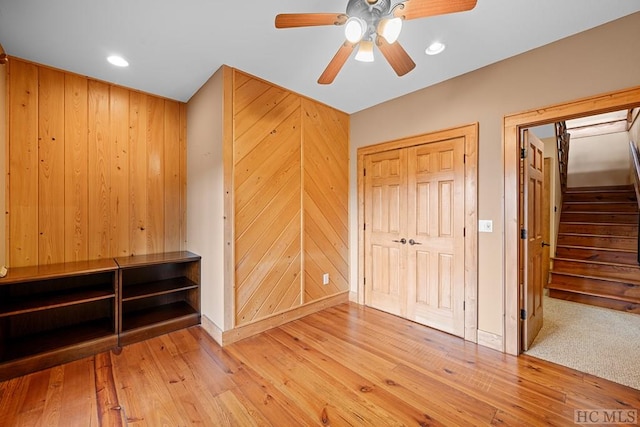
470 133
279 319
512 124
53 271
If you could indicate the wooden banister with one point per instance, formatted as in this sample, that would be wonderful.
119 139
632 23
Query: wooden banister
562 140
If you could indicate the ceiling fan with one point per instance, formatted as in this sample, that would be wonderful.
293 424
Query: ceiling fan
373 21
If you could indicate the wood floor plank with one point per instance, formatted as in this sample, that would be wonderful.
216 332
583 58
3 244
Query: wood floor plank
346 365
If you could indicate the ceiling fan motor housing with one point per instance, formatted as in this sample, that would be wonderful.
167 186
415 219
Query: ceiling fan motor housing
371 11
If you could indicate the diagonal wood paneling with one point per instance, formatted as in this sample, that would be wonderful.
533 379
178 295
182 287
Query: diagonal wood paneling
326 188
267 186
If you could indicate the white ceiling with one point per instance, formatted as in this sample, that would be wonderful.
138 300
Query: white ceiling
175 45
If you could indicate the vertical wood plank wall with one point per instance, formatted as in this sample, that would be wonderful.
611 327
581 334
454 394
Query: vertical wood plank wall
94 170
290 184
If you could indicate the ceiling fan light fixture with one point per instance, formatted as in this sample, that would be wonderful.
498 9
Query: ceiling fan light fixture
390 29
365 51
355 29
435 48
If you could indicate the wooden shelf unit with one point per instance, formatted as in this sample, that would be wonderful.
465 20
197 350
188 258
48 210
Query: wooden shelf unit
56 313
160 293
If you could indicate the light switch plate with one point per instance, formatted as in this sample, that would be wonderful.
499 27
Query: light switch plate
485 226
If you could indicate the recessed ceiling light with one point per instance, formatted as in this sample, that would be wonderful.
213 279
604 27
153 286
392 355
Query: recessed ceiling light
435 48
118 61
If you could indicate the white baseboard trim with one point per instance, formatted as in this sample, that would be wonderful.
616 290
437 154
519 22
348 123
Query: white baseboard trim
211 329
491 340
353 296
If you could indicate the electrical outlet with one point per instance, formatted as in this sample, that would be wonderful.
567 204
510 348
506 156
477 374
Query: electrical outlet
485 226
325 279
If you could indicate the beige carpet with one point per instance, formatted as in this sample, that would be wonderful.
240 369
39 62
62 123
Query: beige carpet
602 342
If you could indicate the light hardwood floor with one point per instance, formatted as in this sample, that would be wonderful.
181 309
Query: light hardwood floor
347 365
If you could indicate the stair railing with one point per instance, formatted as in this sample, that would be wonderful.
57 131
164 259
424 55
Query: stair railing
562 141
633 152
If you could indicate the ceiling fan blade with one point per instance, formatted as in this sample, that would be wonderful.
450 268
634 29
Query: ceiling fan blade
395 54
413 9
292 20
334 67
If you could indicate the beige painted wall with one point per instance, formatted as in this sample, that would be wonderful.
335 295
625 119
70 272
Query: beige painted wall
3 160
524 82
599 160
634 132
205 193
555 205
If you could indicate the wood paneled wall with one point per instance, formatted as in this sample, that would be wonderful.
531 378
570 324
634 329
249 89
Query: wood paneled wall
326 198
290 185
94 170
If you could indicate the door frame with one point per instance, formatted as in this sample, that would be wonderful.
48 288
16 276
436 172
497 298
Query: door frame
470 135
512 126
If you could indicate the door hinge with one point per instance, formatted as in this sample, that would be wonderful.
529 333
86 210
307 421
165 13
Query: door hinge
364 227
523 314
364 172
464 158
464 232
523 153
464 305
523 233
364 281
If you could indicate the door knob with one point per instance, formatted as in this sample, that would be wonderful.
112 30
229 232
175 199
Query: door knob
413 242
403 241
543 244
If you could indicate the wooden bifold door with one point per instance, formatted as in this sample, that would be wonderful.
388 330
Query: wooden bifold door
414 231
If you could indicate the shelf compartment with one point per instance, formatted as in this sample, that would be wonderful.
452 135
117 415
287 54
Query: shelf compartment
96 337
20 305
67 337
162 287
158 320
158 314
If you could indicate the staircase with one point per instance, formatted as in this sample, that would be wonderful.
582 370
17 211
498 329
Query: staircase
596 258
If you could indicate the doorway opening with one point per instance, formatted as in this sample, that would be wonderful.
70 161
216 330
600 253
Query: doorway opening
589 292
514 131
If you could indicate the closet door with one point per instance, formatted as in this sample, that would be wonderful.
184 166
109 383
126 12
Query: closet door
435 234
386 224
414 233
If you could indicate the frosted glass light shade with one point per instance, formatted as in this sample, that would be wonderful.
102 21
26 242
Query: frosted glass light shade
365 51
355 29
390 29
